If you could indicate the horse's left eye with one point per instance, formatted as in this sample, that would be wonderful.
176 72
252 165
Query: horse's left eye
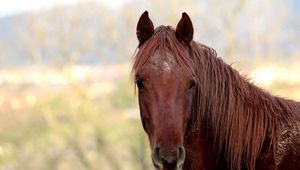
140 84
192 84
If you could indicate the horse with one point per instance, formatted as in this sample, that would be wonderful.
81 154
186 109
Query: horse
200 113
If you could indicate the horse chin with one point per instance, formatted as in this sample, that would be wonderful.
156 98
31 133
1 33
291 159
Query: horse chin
167 166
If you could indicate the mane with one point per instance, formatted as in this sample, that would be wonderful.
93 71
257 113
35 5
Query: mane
242 116
239 115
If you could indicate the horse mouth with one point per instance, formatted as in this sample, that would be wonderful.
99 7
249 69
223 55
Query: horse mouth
168 167
171 166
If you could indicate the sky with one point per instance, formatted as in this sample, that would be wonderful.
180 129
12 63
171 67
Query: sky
11 7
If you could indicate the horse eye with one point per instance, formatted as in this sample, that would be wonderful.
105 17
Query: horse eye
192 84
140 84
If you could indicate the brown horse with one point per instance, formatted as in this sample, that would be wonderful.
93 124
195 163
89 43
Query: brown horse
200 113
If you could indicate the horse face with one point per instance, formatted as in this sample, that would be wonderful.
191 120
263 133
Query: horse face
165 97
165 92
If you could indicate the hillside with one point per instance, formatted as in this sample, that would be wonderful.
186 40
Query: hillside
92 33
82 34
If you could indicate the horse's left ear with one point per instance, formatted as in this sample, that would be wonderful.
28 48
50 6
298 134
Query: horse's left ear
184 29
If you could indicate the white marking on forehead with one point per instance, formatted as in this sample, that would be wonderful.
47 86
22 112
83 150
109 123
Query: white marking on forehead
163 63
166 66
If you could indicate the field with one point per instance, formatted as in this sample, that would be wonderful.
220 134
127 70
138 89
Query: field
76 118
84 117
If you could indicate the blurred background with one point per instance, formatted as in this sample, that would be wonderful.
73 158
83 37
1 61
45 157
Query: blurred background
66 100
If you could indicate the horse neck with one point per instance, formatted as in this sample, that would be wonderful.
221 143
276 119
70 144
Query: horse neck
199 150
238 113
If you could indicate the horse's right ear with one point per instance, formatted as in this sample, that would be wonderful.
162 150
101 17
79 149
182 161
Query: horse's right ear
144 29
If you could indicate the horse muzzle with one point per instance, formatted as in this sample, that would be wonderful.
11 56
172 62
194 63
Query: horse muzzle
168 159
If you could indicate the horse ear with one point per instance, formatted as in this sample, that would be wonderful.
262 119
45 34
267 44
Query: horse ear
144 29
184 29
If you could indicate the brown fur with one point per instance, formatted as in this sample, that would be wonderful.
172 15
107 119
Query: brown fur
244 121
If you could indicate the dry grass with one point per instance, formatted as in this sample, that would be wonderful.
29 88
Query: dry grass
86 118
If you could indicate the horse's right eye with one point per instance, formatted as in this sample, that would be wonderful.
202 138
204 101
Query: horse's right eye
140 84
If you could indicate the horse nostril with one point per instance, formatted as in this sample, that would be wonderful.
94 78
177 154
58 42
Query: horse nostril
181 153
181 158
156 158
